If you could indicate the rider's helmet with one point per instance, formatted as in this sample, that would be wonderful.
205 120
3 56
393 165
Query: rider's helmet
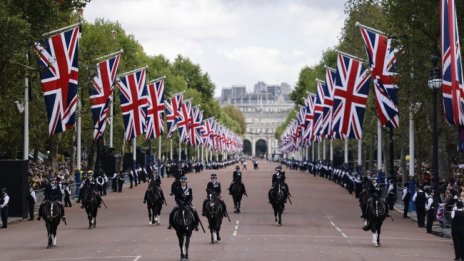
213 176
278 168
237 167
183 179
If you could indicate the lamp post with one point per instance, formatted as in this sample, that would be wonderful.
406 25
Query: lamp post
434 83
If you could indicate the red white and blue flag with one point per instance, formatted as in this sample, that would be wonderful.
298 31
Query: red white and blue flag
350 97
331 76
318 110
172 109
382 62
196 128
58 61
184 121
207 133
453 89
134 102
309 116
101 95
326 94
156 107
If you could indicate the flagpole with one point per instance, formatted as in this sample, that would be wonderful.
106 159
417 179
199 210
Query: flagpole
79 119
359 156
323 149
159 147
170 149
346 152
351 56
111 121
358 24
312 148
379 147
319 151
157 79
26 114
135 70
331 157
180 148
61 29
109 55
134 154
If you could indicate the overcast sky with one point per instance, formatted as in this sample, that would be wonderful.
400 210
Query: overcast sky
238 42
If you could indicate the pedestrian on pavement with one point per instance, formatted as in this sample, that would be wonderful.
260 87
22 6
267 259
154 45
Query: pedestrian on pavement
457 230
31 199
4 207
419 198
406 196
67 196
430 208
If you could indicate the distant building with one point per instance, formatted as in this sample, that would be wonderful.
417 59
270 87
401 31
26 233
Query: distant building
264 109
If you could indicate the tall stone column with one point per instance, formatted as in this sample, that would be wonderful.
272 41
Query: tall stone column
253 146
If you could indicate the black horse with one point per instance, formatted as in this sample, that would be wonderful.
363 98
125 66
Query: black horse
52 214
214 213
277 200
237 190
91 207
154 198
376 212
183 222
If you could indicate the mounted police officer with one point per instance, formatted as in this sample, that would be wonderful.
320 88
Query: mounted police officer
279 178
183 196
52 192
214 187
237 177
154 181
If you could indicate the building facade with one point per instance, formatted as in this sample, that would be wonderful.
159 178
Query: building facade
264 110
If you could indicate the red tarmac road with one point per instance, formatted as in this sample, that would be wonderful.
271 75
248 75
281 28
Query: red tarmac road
322 224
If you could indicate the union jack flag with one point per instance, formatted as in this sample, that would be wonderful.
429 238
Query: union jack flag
101 95
155 109
326 94
453 96
350 97
331 76
172 108
183 123
134 102
309 116
318 110
207 133
58 61
195 127
382 61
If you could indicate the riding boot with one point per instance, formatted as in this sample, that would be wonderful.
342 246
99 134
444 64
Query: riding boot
171 217
40 210
224 209
197 219
204 207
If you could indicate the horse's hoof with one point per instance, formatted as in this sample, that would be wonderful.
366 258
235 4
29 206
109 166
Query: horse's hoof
150 223
48 247
218 238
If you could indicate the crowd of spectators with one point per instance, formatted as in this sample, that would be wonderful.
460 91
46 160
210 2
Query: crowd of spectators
40 172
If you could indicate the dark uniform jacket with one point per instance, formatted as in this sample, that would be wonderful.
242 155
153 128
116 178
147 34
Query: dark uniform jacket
183 196
457 223
213 188
237 176
278 177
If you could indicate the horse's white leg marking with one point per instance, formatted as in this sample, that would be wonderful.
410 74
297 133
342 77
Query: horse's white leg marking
184 247
54 240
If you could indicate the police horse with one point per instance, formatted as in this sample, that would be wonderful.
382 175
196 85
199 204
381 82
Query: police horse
277 196
237 191
214 213
375 213
52 214
183 222
154 203
91 207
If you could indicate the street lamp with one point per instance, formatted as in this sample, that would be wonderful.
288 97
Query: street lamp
434 83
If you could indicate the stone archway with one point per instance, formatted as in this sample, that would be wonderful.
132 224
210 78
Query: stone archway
261 148
247 149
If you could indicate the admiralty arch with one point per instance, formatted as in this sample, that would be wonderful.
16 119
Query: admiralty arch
264 110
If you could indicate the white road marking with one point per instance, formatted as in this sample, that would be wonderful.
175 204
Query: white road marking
338 229
236 228
86 258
